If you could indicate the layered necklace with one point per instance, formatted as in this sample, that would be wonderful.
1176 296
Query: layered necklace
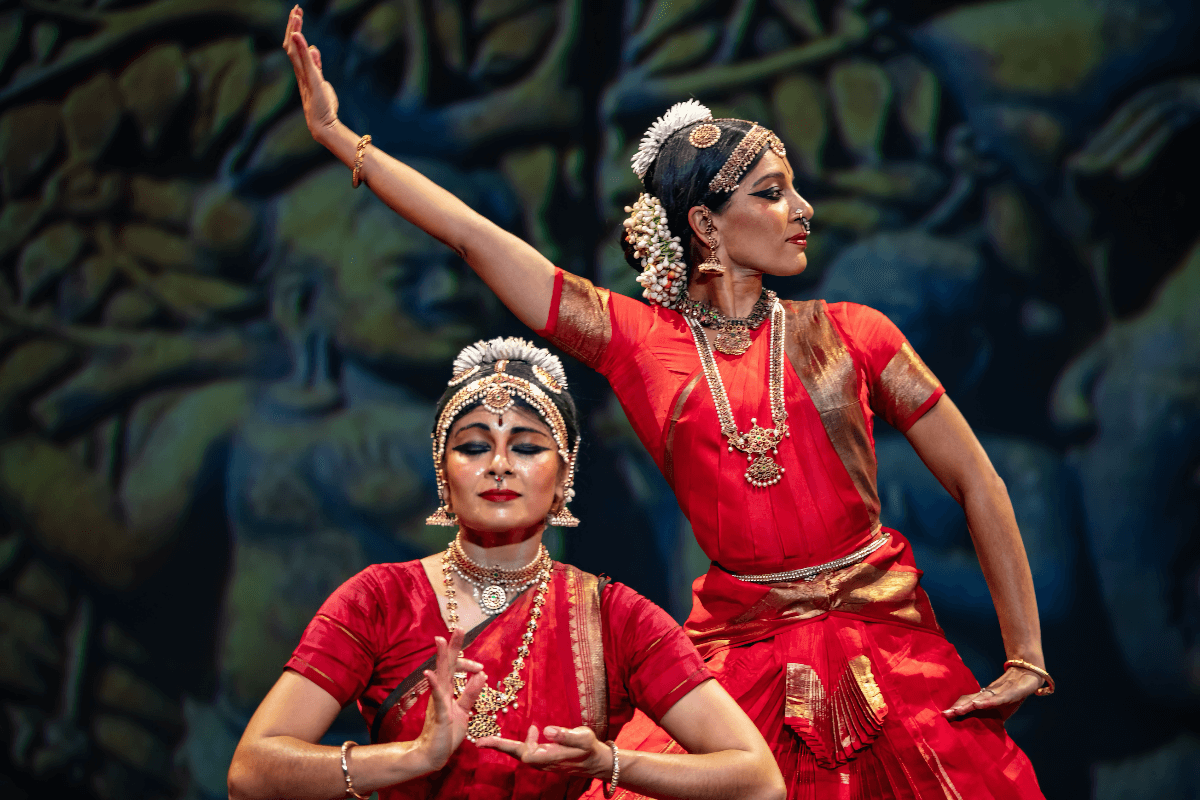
759 443
485 719
733 335
494 587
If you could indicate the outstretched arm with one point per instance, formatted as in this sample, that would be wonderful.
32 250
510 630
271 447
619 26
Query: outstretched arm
947 445
727 756
278 755
519 275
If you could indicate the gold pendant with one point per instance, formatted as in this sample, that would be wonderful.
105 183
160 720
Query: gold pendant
482 725
732 340
764 472
492 600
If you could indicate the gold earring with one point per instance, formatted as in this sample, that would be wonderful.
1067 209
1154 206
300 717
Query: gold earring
563 518
711 265
443 516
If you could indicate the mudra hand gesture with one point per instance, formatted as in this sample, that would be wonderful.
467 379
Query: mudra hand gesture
316 94
445 716
575 751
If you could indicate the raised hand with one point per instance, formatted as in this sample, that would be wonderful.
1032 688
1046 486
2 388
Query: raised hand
1001 697
316 94
575 751
446 717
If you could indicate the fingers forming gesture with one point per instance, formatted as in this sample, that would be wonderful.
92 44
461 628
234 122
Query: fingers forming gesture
575 751
446 717
316 94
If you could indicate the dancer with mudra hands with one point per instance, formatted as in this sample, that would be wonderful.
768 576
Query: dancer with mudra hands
556 658
759 413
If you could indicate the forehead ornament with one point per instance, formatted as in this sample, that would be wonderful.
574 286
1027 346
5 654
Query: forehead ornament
747 150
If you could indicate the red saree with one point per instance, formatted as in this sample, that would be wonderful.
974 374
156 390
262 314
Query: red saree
845 676
584 668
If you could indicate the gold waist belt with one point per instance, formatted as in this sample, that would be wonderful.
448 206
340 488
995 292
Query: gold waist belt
811 573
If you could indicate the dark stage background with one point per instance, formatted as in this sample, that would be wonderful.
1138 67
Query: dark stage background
217 360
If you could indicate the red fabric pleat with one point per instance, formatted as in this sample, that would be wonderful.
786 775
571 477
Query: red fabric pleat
918 754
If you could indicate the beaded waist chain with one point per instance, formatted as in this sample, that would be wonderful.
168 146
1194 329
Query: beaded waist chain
811 573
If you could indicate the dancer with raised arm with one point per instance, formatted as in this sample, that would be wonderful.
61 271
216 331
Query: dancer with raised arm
568 657
759 413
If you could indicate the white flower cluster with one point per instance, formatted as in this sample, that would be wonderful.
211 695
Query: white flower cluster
678 116
514 349
664 274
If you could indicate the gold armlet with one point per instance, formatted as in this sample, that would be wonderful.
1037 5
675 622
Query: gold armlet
1048 689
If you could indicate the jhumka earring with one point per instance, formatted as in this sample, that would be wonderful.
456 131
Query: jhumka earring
443 516
711 265
563 518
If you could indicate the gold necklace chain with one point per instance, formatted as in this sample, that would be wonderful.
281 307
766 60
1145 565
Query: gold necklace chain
492 585
479 573
732 334
491 702
756 442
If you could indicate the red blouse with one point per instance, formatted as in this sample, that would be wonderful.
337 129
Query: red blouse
378 627
825 506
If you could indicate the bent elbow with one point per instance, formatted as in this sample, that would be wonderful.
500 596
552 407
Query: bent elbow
239 780
774 789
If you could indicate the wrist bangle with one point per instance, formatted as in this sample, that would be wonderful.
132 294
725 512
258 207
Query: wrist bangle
359 150
1048 689
346 772
610 788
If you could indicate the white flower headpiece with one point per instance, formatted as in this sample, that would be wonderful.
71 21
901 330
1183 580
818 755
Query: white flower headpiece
511 348
678 116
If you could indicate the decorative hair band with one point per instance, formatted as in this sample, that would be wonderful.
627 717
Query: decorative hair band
498 391
726 180
664 273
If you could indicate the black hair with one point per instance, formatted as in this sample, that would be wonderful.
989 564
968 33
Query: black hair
519 369
679 178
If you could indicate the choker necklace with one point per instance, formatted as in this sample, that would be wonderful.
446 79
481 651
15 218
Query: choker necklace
491 702
733 335
757 442
492 585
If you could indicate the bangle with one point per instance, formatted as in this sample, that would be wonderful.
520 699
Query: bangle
1048 689
611 787
346 772
359 149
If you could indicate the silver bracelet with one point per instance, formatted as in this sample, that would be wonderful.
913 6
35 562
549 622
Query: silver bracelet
346 773
610 788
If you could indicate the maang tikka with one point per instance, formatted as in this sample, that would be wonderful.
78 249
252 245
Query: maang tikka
486 361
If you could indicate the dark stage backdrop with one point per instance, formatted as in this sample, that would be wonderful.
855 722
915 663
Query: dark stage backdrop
217 359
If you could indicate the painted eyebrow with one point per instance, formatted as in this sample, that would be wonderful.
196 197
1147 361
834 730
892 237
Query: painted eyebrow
768 176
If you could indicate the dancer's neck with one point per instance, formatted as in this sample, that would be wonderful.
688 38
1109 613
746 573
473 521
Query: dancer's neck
732 293
507 550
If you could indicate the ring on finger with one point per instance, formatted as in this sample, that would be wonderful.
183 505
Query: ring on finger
988 690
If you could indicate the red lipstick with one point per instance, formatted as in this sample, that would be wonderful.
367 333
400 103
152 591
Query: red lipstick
499 495
800 239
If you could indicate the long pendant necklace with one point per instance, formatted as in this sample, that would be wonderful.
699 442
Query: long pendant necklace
484 719
757 442
732 335
492 586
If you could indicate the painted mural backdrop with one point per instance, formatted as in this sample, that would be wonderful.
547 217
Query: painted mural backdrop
217 359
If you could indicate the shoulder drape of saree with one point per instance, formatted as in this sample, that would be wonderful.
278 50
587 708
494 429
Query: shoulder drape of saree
826 367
